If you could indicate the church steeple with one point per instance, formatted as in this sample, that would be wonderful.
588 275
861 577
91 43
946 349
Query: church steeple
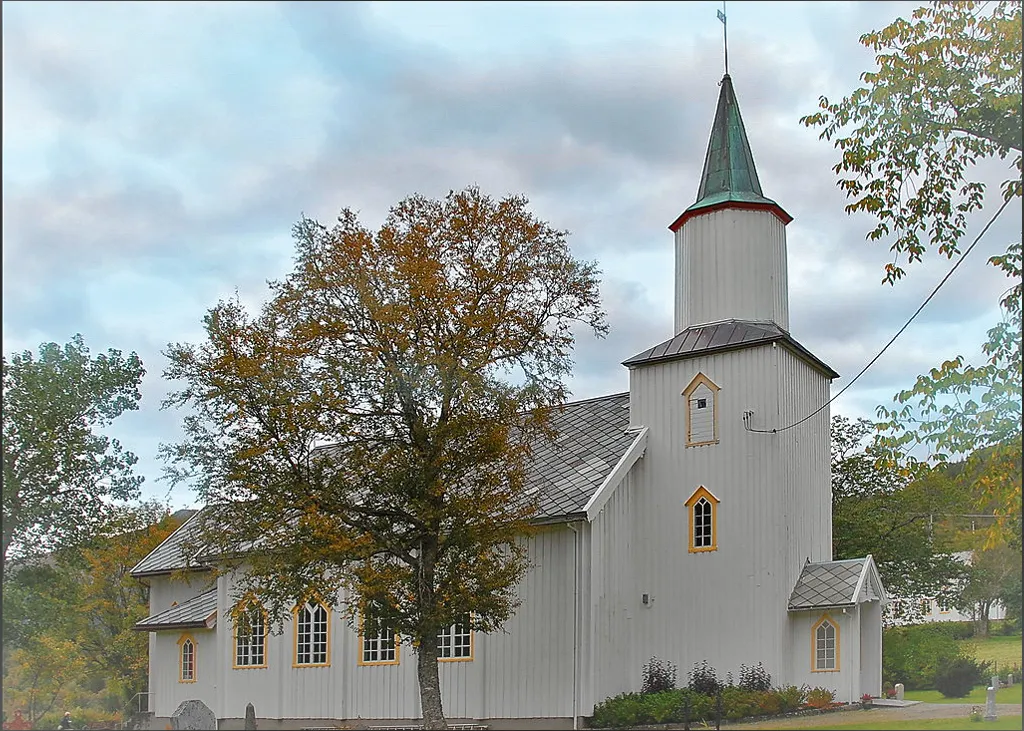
729 174
731 243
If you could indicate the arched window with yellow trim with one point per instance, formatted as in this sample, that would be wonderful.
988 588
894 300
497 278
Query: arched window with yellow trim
187 659
701 411
312 634
702 508
825 641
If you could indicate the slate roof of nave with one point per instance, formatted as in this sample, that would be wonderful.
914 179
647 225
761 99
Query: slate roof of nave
563 474
716 337
170 555
193 613
828 584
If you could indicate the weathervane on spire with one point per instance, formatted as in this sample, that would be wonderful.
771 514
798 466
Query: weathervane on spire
725 36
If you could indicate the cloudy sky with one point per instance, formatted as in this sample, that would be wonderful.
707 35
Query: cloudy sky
155 157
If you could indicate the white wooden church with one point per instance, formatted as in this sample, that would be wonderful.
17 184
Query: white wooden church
683 521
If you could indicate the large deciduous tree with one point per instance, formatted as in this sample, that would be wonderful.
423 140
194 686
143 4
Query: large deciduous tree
946 94
58 467
364 439
994 574
881 508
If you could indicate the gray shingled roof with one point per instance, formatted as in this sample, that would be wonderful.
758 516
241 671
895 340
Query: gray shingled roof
564 475
592 438
170 555
827 584
192 614
726 335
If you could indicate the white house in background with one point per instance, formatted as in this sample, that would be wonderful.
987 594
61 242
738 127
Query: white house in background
935 610
688 519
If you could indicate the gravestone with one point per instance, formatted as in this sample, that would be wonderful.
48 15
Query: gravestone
990 704
899 691
995 681
250 717
194 715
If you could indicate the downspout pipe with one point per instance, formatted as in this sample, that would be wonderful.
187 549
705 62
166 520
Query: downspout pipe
575 624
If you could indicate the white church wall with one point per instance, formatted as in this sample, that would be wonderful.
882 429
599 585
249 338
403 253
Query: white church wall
165 688
523 670
613 599
845 681
728 606
165 591
528 666
753 243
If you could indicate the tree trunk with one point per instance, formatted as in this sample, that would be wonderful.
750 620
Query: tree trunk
983 622
430 685
426 652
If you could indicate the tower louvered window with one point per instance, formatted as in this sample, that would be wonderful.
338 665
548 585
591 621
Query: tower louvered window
701 411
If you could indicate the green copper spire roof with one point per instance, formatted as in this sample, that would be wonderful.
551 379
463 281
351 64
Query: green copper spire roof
729 173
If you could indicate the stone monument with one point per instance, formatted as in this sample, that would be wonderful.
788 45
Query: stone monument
990 704
194 715
250 717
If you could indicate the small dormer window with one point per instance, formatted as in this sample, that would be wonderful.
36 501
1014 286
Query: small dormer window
701 411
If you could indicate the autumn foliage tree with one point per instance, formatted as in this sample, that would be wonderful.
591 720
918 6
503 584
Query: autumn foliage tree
365 437
945 95
77 610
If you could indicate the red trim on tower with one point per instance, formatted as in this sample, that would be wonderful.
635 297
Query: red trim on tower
741 205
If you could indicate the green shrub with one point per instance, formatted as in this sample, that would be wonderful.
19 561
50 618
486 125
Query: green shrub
962 630
658 675
704 679
820 697
755 678
738 703
912 655
632 709
679 705
791 697
958 678
621 711
702 707
769 703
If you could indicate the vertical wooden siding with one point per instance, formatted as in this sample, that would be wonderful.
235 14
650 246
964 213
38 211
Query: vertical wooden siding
727 606
731 263
523 670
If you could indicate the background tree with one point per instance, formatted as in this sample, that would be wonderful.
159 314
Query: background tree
111 601
57 468
365 438
44 677
879 508
993 574
83 602
945 95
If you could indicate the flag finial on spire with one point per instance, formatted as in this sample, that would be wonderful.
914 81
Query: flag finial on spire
725 36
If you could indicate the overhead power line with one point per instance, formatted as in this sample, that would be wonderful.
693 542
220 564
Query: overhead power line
746 417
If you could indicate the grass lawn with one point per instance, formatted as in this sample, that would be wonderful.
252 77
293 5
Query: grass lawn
976 697
1004 651
955 724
